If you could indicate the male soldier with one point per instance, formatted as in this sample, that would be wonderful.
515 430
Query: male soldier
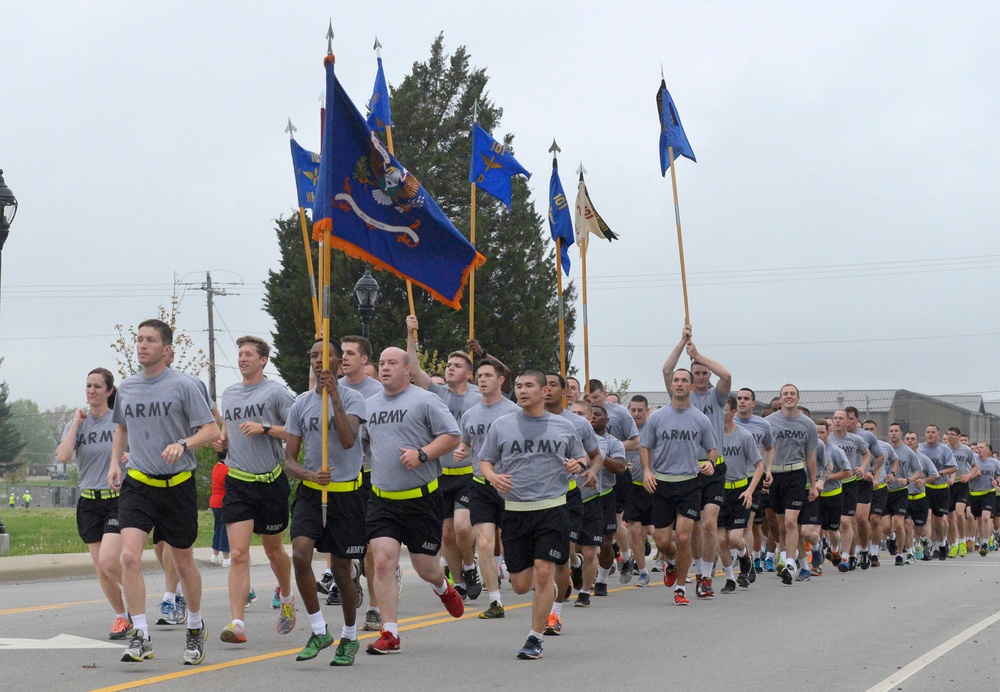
614 464
408 429
917 506
156 411
638 513
938 490
857 452
908 471
744 469
960 535
746 399
866 486
880 494
343 533
528 457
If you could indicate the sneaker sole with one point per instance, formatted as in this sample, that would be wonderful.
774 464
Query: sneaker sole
128 659
484 616
372 628
380 652
528 657
230 637
118 636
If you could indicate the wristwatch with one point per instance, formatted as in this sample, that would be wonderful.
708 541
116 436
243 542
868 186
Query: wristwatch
267 428
421 456
183 443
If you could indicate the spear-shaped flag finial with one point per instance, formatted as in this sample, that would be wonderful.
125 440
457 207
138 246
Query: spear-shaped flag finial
377 47
475 111
291 129
581 170
555 152
329 39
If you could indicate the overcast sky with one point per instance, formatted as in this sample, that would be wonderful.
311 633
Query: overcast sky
840 225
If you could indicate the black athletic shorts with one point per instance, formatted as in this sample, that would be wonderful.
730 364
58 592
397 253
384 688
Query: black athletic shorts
850 494
640 505
760 503
455 492
865 490
574 510
344 534
896 503
959 493
939 501
978 503
916 509
809 516
415 523
592 524
171 514
830 511
879 499
788 491
537 535
485 504
608 508
621 491
266 504
713 488
94 518
733 515
673 498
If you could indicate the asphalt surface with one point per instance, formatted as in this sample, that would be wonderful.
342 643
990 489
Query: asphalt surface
837 632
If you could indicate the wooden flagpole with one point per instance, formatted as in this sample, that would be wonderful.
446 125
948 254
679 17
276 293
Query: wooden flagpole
325 263
472 239
305 243
680 242
584 242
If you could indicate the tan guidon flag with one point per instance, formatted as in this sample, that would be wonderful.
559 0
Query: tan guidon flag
587 218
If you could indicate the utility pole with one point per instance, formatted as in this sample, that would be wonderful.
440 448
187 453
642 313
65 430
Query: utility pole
210 294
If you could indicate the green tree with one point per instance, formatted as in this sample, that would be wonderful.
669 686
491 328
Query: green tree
516 304
11 443
39 444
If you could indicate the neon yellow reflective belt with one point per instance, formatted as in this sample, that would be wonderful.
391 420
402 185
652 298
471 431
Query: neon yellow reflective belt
463 471
406 494
156 482
248 477
337 487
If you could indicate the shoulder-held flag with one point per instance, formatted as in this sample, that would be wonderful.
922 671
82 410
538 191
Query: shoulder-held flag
379 110
378 211
560 223
493 165
306 165
671 130
588 220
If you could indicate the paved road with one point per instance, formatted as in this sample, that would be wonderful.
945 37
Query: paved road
837 632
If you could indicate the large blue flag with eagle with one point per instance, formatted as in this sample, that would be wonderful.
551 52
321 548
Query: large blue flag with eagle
379 111
671 131
493 165
378 211
560 222
306 165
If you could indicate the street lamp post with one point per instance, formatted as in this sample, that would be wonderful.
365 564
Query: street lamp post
8 209
367 294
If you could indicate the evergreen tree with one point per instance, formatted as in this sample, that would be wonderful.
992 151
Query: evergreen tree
516 303
11 444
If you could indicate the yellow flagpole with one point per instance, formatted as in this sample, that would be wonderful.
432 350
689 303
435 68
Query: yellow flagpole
680 242
409 285
325 266
309 265
472 274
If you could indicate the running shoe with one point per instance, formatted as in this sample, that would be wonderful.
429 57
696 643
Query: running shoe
194 646
680 599
670 575
659 566
865 560
600 589
531 650
276 598
816 571
900 561
460 588
385 644
835 558
346 650
963 549
927 556
786 575
757 566
628 569
181 609
576 573
168 614
953 552
909 559
754 571
643 579
494 612
233 633
704 589
554 626
985 550
316 643
582 600
891 546
943 552
874 561
769 565
746 564
121 628
729 588
804 575
969 545
140 647
852 562
742 581
324 584
251 597
333 598
286 617
473 587
918 552
779 565
843 567
373 621
453 602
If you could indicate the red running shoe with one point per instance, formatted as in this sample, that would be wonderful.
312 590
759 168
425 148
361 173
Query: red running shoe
385 644
670 575
453 602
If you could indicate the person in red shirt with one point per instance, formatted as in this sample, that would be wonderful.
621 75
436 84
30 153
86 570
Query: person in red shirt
220 539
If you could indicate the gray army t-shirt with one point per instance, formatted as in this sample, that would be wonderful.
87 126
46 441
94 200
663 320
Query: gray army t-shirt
853 446
411 419
92 449
940 454
476 422
367 387
677 439
909 464
634 459
620 422
532 450
741 452
836 461
157 412
263 402
964 458
458 404
988 470
612 447
793 437
305 420
713 405
759 428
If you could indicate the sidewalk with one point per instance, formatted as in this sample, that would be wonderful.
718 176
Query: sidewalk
25 568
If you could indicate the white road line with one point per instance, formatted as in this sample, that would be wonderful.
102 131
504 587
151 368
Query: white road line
916 666
61 641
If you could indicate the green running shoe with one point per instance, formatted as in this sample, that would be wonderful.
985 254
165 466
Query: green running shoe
347 649
316 643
